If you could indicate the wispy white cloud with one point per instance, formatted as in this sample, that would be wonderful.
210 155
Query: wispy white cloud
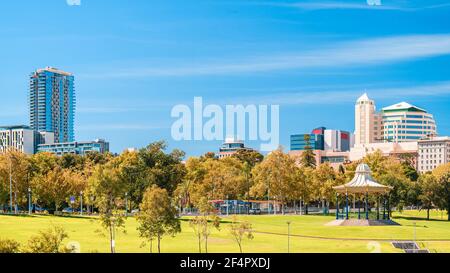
358 53
358 5
346 94
317 5
119 127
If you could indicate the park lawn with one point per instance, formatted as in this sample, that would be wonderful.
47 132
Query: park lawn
92 238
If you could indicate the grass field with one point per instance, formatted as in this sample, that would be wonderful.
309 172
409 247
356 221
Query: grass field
309 234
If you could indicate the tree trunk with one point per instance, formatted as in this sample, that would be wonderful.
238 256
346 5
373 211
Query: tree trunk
306 209
111 238
428 214
159 244
199 243
151 246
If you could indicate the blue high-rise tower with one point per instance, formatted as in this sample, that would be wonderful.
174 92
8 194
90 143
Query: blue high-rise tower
52 103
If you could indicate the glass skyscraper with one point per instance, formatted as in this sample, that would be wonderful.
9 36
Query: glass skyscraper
52 103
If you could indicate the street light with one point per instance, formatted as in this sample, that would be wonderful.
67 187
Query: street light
126 204
29 201
228 203
289 236
81 203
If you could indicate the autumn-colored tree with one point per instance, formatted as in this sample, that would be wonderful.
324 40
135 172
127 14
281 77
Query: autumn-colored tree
275 177
241 230
442 175
428 195
56 186
157 216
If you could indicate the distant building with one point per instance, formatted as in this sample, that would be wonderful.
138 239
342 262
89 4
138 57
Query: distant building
387 148
334 158
78 148
19 138
52 103
323 139
338 141
401 122
368 122
433 152
231 147
22 138
404 122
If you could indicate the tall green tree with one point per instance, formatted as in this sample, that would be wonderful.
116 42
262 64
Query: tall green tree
109 191
307 157
157 216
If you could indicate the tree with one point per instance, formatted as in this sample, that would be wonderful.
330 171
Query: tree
197 223
157 216
203 224
49 241
56 186
9 246
250 157
217 179
276 177
15 171
109 191
307 157
442 174
428 192
164 169
241 230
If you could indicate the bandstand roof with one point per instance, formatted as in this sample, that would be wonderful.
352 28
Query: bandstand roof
363 182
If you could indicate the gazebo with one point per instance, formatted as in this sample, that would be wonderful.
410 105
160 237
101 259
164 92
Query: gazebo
363 184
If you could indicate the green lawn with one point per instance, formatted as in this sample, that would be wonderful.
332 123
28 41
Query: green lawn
309 234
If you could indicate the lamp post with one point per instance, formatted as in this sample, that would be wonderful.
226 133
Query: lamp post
228 204
126 204
289 236
29 201
415 234
81 203
10 185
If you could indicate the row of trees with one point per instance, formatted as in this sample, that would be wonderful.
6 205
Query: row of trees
155 181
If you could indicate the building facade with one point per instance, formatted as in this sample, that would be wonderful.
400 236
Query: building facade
338 141
231 147
323 139
401 122
433 152
367 121
18 138
300 142
52 103
404 122
78 148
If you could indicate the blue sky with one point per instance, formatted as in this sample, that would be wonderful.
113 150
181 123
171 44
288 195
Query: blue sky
134 60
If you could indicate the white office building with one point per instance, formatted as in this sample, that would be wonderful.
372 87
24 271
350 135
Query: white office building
19 138
433 152
404 122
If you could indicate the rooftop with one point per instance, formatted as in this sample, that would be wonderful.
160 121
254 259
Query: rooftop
54 70
402 106
364 97
14 127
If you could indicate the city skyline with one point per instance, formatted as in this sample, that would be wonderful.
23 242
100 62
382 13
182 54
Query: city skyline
307 58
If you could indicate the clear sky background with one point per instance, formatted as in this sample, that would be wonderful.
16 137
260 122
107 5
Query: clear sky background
134 60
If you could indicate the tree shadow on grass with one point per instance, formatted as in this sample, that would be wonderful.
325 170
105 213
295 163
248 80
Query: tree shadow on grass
417 218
